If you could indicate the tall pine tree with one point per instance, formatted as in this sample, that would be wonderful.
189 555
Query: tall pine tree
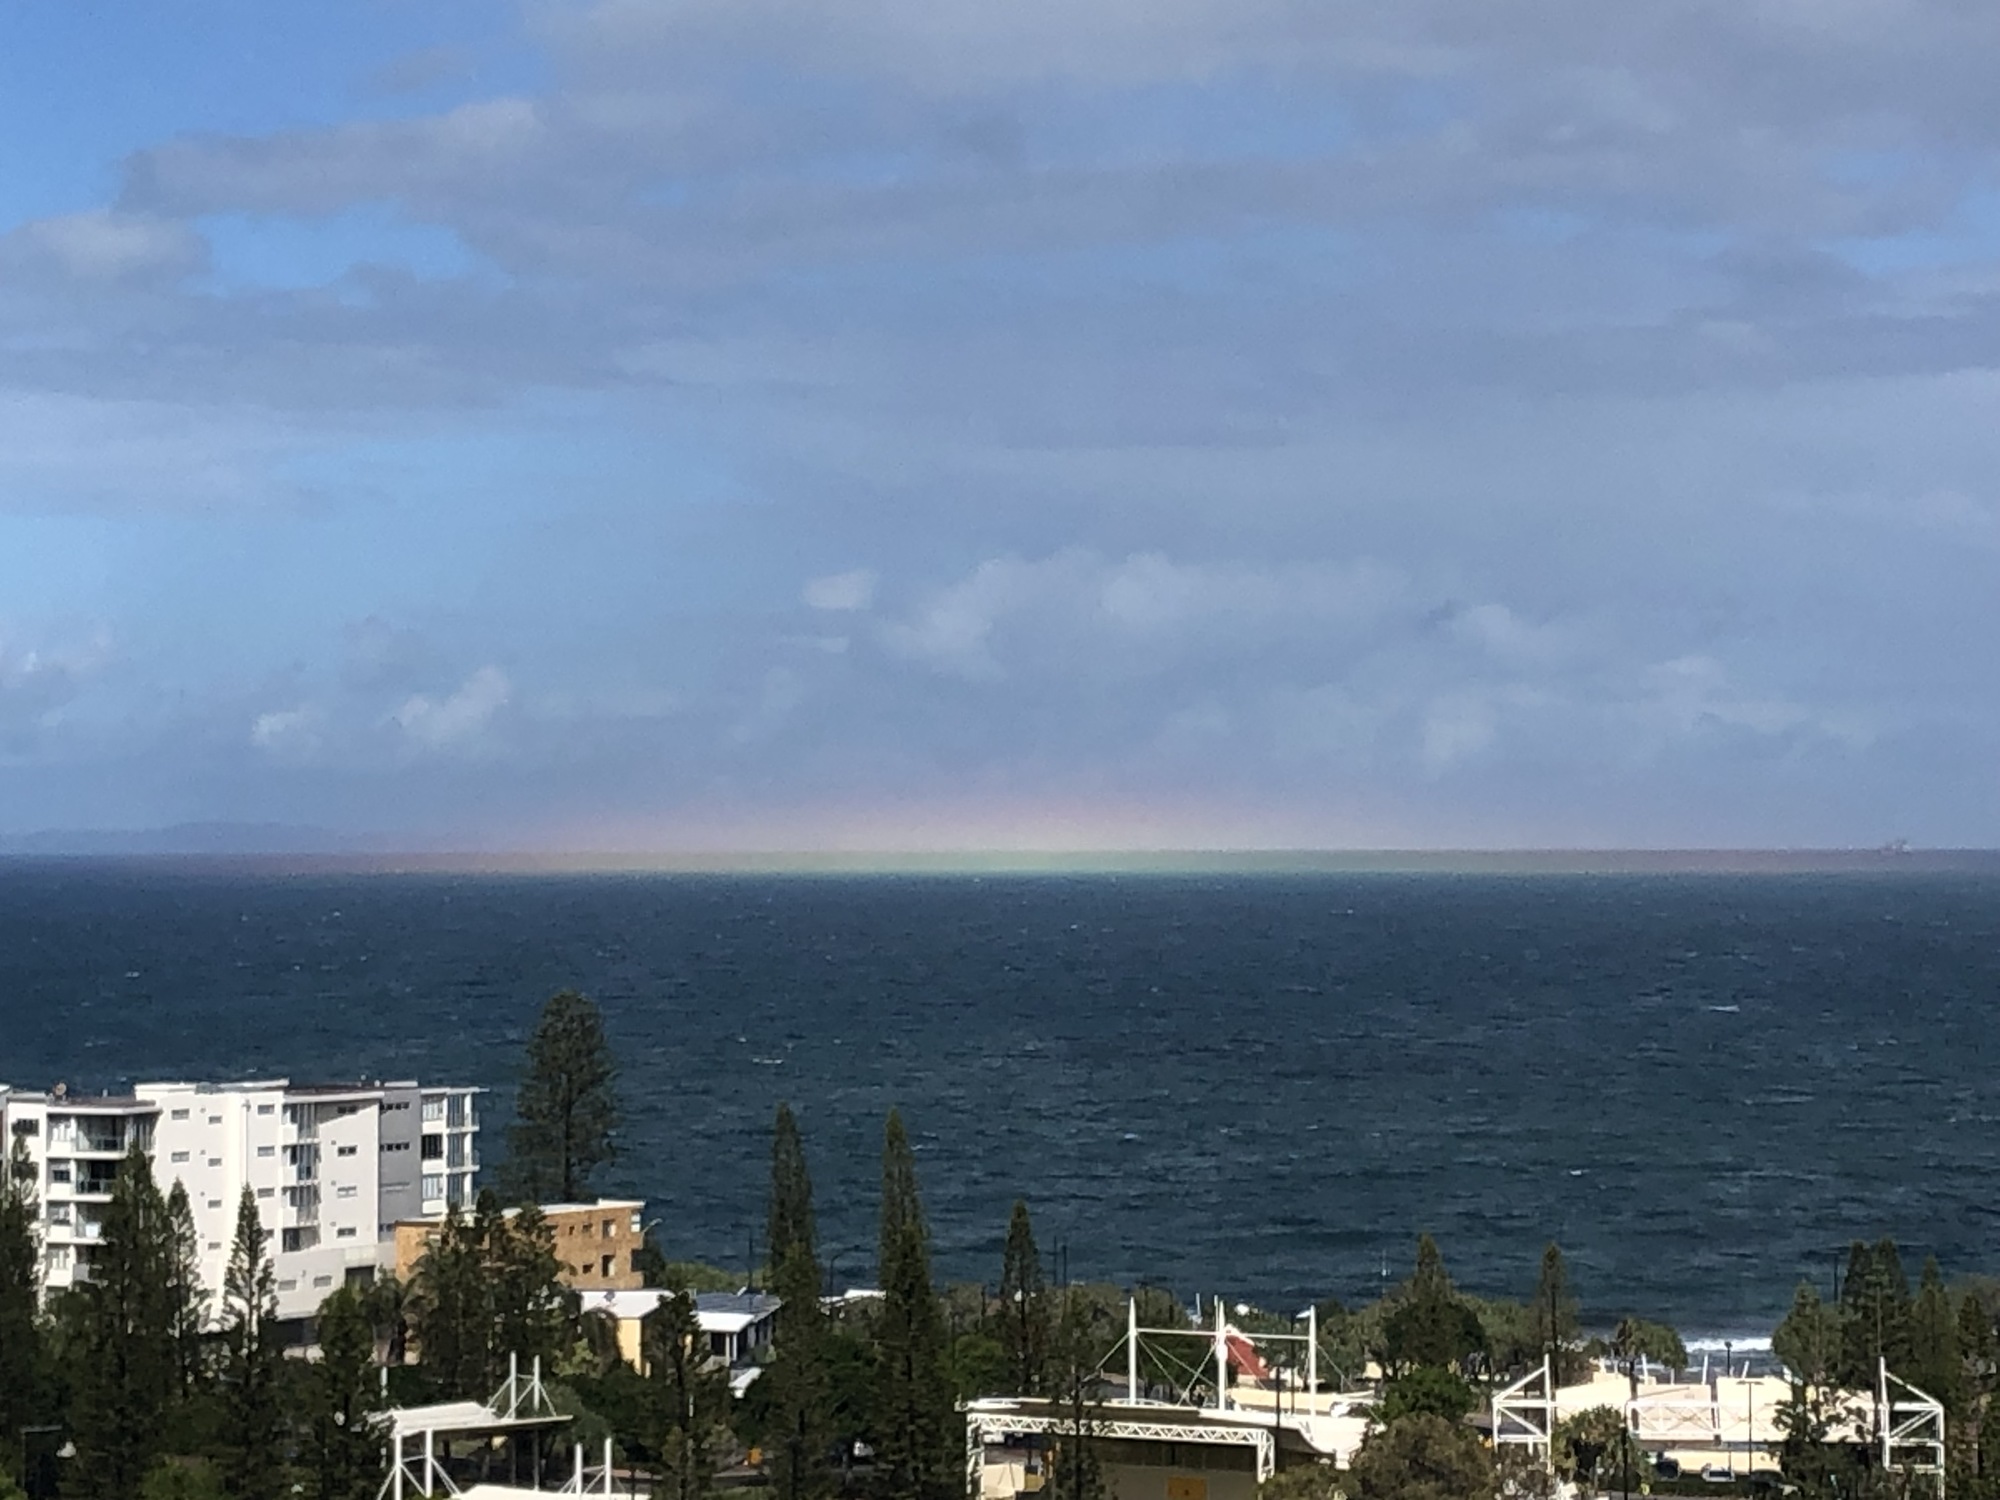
1024 1310
799 1429
915 1451
1554 1312
1935 1365
1808 1341
187 1299
122 1350
1874 1314
566 1114
687 1399
344 1458
1078 1342
20 1328
252 1417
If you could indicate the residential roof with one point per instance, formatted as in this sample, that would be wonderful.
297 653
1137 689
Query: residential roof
718 1312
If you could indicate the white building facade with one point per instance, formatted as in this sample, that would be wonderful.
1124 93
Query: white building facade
332 1168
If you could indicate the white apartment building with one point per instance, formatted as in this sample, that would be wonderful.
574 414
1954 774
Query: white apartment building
333 1167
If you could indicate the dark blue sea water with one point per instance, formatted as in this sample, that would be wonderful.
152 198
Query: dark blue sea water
1701 1085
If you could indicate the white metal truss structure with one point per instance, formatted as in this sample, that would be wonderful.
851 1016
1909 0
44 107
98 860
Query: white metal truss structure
414 1433
1910 1425
1211 1368
1675 1416
992 1427
1524 1414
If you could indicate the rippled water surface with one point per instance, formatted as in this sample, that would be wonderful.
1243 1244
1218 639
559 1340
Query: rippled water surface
1700 1085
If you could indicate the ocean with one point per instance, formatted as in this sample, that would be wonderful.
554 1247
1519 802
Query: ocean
1263 1086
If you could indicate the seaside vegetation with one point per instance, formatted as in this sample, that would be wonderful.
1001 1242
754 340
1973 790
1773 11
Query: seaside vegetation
149 1384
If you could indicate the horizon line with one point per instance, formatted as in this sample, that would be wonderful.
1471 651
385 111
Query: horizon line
973 861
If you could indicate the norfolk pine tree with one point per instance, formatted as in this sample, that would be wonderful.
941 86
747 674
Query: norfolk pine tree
1935 1366
20 1328
915 1452
1555 1317
686 1399
253 1418
344 1458
187 1301
122 1352
800 1433
567 1110
1024 1311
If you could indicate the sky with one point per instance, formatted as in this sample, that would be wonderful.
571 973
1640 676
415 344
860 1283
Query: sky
926 424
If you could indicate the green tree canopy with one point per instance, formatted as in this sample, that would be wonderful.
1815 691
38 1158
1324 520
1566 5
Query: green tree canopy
1935 1365
344 1457
1422 1457
1430 1324
1807 1342
566 1114
487 1288
1425 1388
120 1344
1874 1313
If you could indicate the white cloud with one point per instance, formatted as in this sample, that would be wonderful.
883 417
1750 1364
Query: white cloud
841 591
460 718
292 731
101 245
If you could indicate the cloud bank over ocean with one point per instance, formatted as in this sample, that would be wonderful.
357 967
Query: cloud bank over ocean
766 425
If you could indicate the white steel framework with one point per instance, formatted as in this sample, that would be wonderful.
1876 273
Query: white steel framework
1524 1414
1911 1426
990 1427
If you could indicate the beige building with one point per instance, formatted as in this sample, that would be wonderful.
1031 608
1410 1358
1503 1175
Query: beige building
597 1243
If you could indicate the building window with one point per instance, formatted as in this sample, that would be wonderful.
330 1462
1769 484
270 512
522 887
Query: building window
180 1156
433 1111
345 1150
303 1238
267 1150
608 1267
215 1119
261 1192
265 1109
288 1286
433 1185
58 1172
346 1233
433 1148
215 1203
27 1127
322 1281
215 1244
344 1192
179 1114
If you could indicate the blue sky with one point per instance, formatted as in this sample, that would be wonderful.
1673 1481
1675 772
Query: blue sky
752 424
